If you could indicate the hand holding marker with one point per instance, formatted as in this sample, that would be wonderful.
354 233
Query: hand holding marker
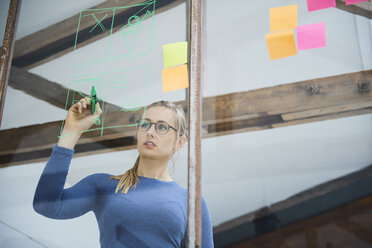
93 100
79 119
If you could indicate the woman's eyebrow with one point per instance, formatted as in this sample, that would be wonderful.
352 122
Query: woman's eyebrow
148 119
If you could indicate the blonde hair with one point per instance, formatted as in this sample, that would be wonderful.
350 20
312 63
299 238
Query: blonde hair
129 179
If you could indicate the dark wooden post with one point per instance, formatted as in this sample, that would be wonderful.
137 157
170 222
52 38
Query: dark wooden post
194 104
7 50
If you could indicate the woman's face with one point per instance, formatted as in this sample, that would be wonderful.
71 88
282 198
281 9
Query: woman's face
152 145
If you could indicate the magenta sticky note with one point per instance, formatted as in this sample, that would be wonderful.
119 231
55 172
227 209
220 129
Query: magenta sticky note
311 36
320 4
348 2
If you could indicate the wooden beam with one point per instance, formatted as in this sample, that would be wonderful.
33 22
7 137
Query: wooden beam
356 229
362 9
324 228
43 136
272 107
45 90
317 191
195 11
288 104
290 98
329 203
6 54
59 39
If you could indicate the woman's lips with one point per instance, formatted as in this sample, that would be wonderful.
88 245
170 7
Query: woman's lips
149 144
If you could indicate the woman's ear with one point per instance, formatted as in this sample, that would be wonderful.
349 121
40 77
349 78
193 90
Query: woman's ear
181 142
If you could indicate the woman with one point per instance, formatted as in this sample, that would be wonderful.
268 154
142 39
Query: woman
143 207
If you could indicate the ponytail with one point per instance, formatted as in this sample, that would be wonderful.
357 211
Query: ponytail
128 179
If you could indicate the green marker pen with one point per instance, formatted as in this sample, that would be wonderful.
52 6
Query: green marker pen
93 98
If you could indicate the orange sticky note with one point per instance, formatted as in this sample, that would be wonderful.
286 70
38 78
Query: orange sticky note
283 18
175 78
281 44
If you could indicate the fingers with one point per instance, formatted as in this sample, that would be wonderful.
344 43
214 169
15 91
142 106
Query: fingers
77 107
98 109
96 116
80 107
85 103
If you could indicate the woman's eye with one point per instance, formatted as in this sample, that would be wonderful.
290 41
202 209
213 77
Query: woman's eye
144 125
162 127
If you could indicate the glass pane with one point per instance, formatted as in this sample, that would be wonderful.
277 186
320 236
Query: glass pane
287 127
117 47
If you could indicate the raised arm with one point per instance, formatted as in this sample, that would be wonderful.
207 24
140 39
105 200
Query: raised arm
51 199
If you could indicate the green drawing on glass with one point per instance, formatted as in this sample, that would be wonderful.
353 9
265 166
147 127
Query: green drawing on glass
128 103
132 32
99 22
82 94
97 121
147 15
132 101
123 83
87 80
84 76
103 116
101 128
131 109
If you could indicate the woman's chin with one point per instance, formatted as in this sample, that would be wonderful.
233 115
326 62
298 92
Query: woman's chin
148 153
152 154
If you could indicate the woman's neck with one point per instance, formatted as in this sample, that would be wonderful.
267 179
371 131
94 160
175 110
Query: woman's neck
153 169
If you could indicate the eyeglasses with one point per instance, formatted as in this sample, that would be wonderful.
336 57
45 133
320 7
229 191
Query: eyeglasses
161 127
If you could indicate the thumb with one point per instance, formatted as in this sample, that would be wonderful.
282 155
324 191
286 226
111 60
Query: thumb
95 117
98 110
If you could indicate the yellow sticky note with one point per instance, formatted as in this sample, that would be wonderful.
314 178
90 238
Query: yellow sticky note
281 44
283 18
175 78
175 54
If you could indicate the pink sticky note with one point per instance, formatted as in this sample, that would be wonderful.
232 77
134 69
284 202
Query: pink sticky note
320 4
311 36
348 2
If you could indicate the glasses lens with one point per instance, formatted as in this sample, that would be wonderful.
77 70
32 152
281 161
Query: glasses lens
162 128
144 125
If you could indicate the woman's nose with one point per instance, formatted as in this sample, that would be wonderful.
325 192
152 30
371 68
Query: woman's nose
151 130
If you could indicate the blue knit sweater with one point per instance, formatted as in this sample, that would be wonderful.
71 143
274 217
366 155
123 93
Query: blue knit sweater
154 214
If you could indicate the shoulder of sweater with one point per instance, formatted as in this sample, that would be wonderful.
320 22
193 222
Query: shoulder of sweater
181 189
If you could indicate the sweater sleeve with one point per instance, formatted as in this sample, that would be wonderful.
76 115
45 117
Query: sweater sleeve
52 200
207 227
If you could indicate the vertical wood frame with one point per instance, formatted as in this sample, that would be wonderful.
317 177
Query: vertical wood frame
7 50
194 106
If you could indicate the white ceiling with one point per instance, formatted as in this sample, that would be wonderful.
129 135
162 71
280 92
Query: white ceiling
256 168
